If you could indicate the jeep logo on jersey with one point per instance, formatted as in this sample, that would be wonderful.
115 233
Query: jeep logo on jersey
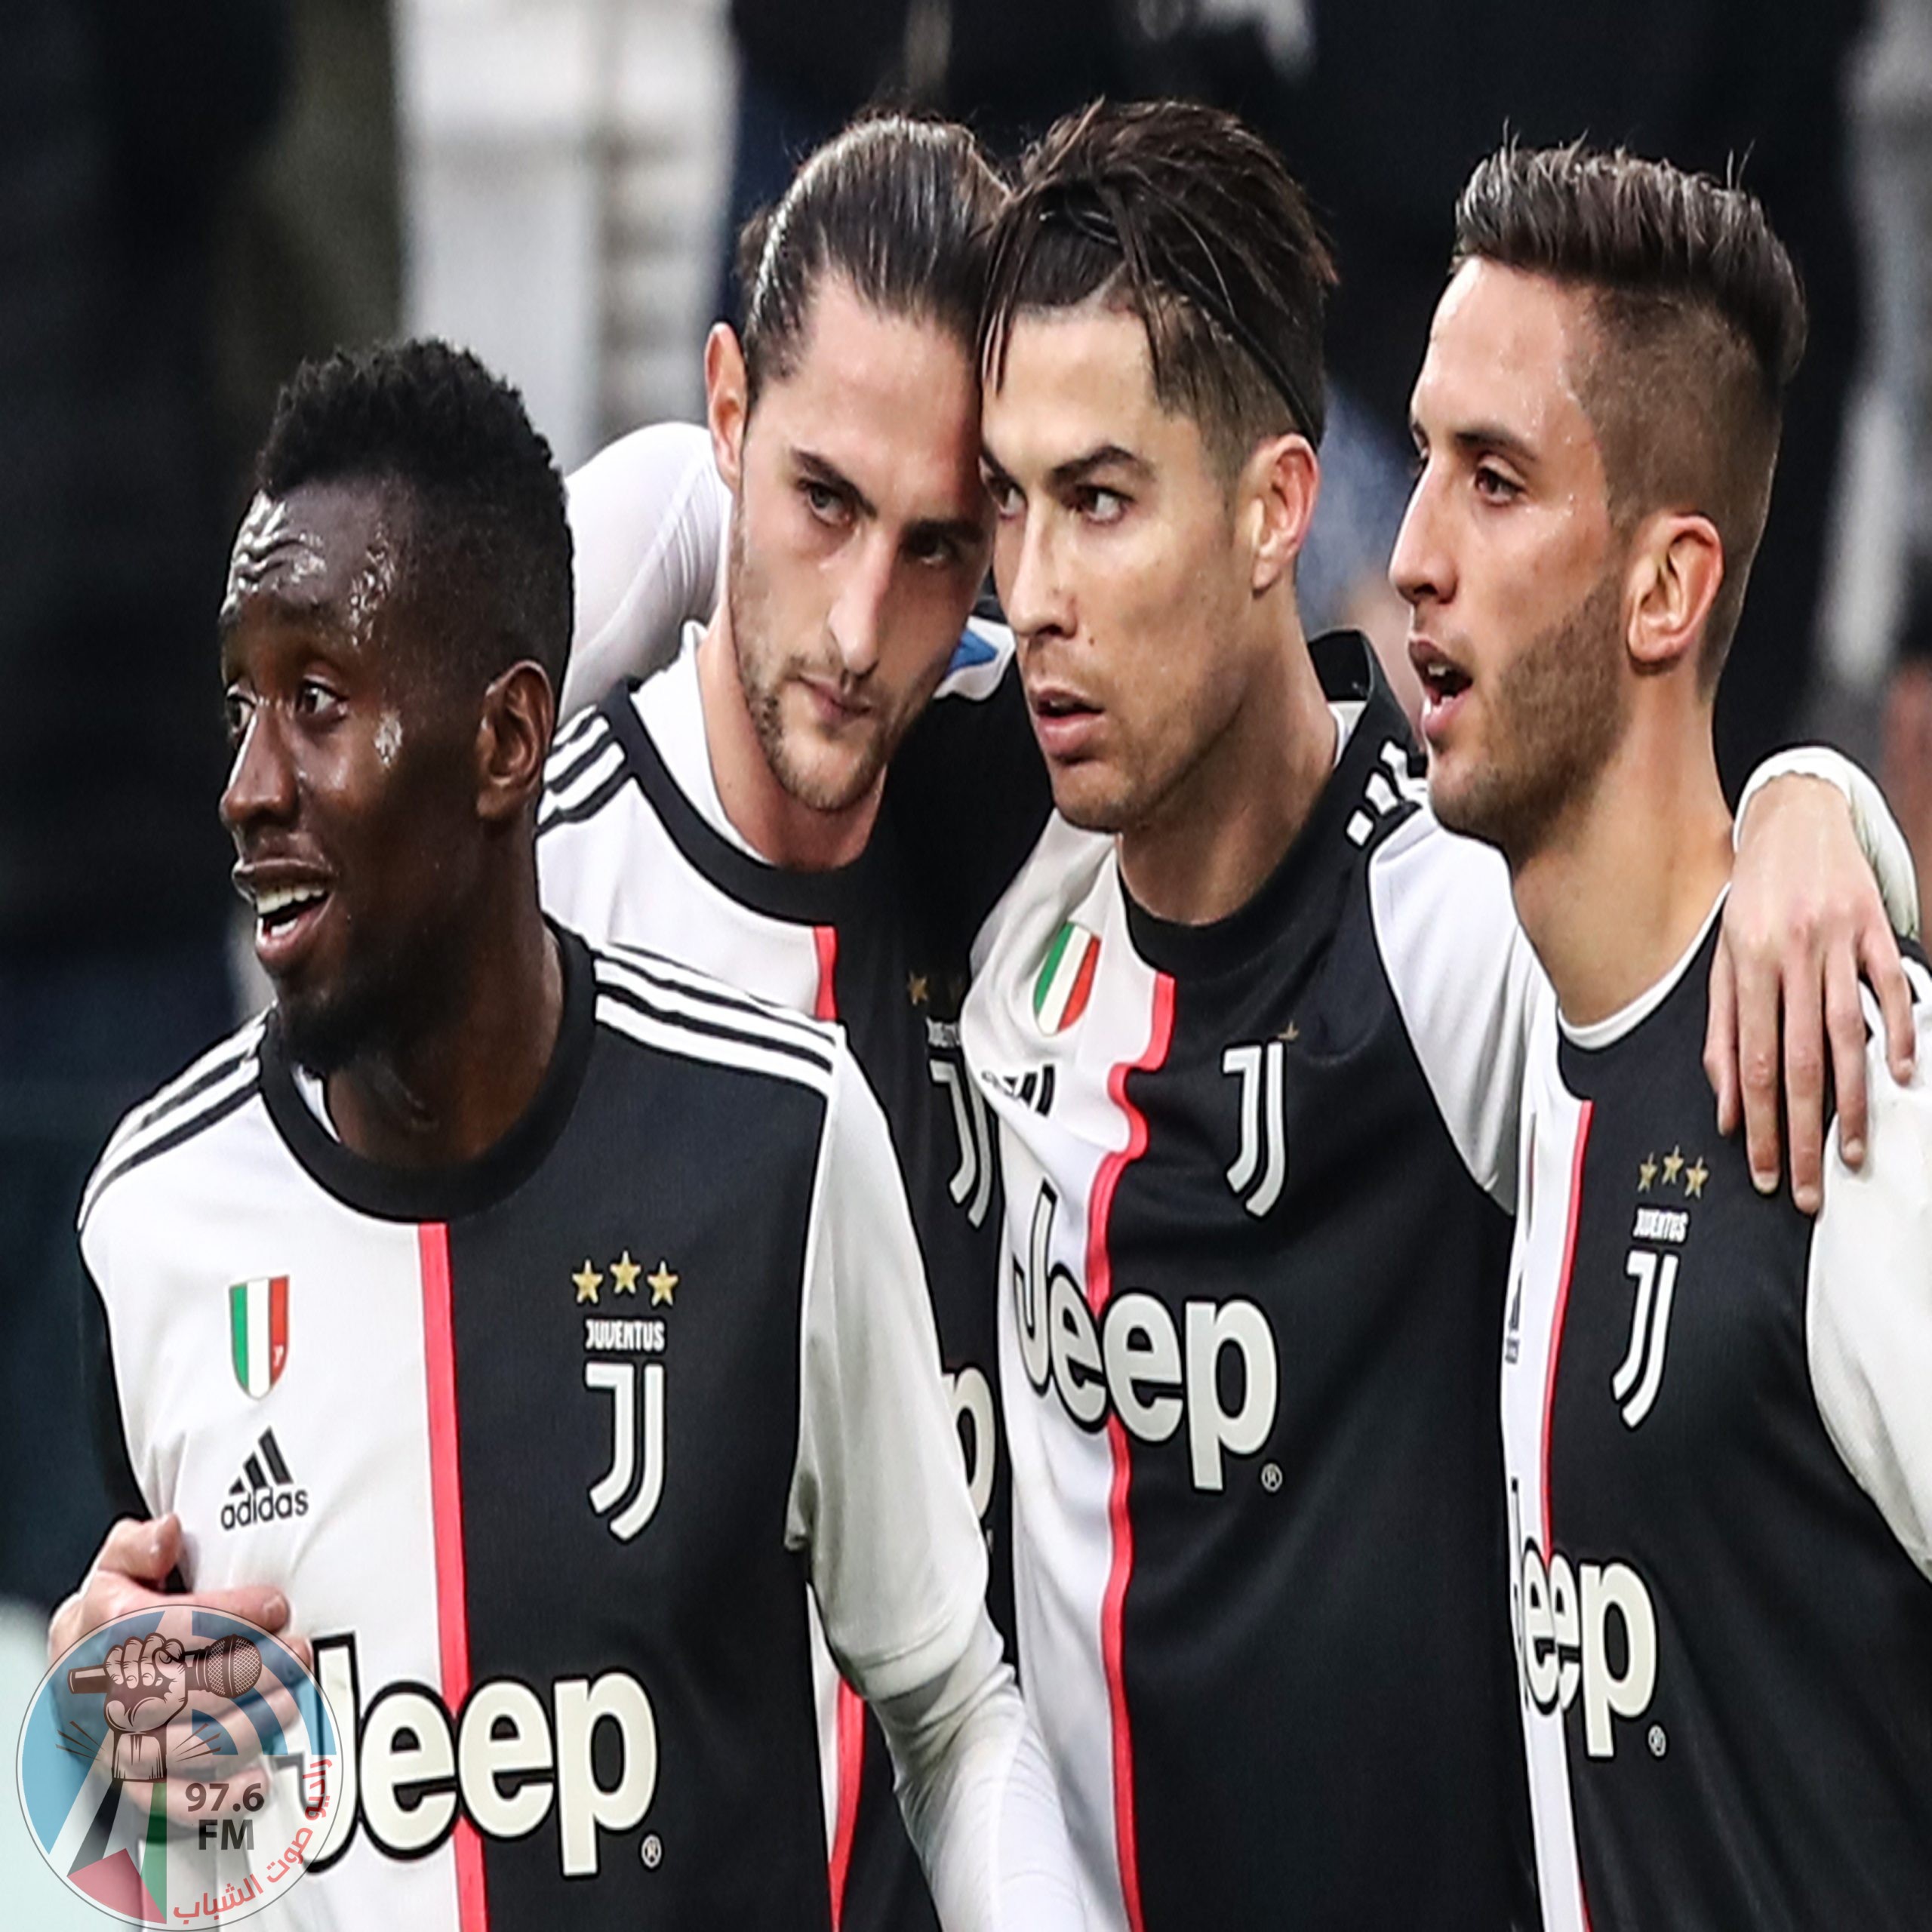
508 1763
1587 1628
1134 1360
1262 1165
635 1478
971 1396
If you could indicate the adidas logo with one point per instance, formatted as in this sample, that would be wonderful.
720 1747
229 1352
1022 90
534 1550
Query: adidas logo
264 1491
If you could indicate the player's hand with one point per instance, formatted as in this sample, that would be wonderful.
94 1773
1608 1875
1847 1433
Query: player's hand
130 1574
1804 922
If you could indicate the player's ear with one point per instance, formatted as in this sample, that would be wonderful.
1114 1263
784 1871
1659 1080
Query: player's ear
1677 569
727 400
1274 496
512 742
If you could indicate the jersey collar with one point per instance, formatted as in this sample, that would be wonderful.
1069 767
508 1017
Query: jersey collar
1320 851
444 1194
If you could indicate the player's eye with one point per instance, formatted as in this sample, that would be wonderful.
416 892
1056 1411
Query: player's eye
825 502
1099 505
937 553
1007 501
315 700
237 708
1494 485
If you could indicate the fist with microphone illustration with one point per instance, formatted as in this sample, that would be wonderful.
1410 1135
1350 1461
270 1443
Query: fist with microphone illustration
146 1683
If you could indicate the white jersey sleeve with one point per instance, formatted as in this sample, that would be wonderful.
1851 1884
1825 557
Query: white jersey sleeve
878 1492
879 1500
648 516
1869 1303
1466 982
1465 977
980 1800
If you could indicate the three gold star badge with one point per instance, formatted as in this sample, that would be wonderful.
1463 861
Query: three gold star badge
1674 1171
624 1276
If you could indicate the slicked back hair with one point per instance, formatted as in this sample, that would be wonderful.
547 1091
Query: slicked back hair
1180 216
1699 325
485 554
899 208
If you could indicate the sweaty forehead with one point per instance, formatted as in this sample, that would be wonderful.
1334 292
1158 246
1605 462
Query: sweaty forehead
1504 352
324 550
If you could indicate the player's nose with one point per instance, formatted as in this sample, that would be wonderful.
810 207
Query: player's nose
1032 586
261 782
858 619
1421 565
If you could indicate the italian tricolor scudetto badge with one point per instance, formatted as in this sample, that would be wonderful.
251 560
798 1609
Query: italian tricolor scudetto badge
258 1332
1066 978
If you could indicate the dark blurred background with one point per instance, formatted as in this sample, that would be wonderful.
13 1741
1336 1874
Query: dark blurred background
194 196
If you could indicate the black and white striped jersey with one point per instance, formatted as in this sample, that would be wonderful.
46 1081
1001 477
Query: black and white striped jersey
1718 1416
1257 1180
633 846
544 1450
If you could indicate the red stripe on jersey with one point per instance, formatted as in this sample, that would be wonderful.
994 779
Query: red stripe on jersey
446 1511
851 1736
1563 1301
1549 1374
850 1732
825 942
1099 1286
1083 987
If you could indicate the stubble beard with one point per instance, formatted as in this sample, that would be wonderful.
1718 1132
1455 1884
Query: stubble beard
763 674
1556 716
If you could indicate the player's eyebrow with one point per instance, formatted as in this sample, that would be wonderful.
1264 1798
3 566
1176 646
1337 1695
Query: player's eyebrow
1079 470
1488 439
961 531
814 465
1074 471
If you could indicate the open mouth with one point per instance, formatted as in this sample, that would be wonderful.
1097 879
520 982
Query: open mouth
285 914
1057 704
1443 683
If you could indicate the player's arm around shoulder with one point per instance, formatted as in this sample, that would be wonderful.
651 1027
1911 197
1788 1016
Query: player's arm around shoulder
880 1502
1868 1303
648 515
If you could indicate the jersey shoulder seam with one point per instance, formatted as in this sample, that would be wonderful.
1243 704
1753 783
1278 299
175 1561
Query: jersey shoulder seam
213 1088
660 1003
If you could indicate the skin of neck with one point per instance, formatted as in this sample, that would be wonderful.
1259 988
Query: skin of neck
778 827
450 1092
1613 897
1210 843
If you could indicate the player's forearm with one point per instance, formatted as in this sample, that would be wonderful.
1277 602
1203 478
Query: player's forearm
1882 842
979 1800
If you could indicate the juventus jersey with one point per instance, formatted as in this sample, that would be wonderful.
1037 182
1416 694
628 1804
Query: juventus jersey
625 853
1719 1421
543 1450
1257 1176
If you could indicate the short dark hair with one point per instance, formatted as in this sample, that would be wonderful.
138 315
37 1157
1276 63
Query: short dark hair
899 207
487 556
1181 216
1700 324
